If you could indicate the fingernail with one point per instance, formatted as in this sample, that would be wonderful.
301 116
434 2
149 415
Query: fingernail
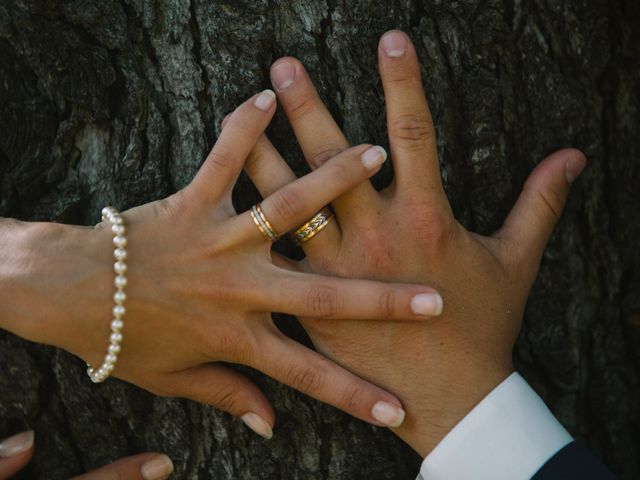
388 414
427 304
159 467
12 446
574 168
283 74
265 100
374 157
394 44
257 424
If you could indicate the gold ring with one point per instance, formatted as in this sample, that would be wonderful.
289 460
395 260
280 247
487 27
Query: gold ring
306 232
257 215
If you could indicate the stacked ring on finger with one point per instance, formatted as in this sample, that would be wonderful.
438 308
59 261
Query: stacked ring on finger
258 217
306 232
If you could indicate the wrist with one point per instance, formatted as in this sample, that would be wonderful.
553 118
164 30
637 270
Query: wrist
446 400
54 280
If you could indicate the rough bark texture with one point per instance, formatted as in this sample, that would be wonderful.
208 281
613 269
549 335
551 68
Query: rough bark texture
118 102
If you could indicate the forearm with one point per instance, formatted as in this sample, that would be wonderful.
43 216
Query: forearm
16 263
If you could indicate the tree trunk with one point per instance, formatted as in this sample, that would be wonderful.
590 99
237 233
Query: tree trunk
117 102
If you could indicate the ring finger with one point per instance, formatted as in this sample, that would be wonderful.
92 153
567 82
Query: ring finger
298 201
269 172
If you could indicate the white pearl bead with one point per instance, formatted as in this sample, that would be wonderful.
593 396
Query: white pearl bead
117 324
118 229
120 267
120 281
120 241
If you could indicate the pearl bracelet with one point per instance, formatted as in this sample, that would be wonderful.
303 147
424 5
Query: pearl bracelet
120 268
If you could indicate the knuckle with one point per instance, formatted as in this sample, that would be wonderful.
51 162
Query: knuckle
224 291
553 198
174 208
322 154
233 344
322 301
285 203
301 107
387 304
433 226
219 160
115 471
340 173
351 399
306 380
227 399
227 341
413 129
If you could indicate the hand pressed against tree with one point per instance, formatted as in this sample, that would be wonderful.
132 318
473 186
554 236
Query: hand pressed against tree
439 370
202 284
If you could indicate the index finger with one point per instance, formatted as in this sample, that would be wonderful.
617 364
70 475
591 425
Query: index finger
224 163
295 203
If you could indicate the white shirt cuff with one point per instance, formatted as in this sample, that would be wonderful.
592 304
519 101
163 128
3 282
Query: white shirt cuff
510 434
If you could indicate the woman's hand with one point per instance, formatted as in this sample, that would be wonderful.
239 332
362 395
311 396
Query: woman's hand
202 284
17 450
439 370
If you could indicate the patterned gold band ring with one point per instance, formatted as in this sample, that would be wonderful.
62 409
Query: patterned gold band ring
307 231
258 217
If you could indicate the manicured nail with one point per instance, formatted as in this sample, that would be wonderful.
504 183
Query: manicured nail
283 74
12 446
158 468
388 414
427 304
373 158
257 424
394 44
265 100
574 168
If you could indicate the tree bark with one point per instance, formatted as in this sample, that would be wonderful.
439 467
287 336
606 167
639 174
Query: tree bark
117 102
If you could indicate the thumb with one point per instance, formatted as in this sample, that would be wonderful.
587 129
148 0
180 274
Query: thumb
528 227
145 466
230 391
15 453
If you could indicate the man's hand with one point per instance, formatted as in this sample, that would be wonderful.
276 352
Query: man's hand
17 451
442 369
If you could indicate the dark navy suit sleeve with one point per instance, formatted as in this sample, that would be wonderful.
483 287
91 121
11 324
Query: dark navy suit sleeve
574 461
